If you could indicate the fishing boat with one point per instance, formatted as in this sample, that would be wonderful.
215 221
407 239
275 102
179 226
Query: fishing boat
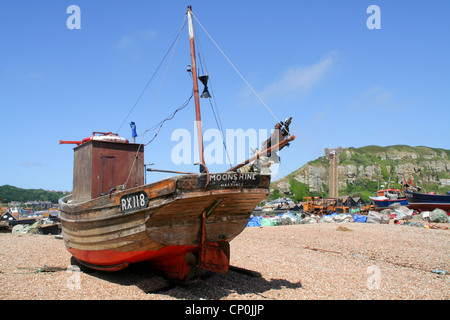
387 197
180 225
428 201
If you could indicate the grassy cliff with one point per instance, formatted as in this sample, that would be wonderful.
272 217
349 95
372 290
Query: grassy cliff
11 193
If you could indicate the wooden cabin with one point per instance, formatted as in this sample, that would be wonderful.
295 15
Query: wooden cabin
347 201
9 216
359 202
100 166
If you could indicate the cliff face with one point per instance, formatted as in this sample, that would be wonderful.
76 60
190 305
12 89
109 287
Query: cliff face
426 167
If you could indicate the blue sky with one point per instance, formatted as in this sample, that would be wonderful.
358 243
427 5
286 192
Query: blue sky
344 84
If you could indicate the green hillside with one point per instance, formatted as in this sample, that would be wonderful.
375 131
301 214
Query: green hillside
11 193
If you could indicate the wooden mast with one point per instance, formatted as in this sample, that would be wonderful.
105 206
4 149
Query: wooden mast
198 118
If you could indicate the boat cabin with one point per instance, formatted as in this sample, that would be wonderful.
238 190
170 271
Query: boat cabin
391 194
101 165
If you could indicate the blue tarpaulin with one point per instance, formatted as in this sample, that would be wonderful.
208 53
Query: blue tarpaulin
254 222
359 218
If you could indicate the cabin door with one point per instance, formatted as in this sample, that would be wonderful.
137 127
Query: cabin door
108 167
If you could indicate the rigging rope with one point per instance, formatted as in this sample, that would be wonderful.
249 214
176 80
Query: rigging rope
156 71
174 43
165 73
216 114
219 125
242 77
184 105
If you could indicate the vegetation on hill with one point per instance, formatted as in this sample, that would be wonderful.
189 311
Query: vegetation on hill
11 193
297 190
371 155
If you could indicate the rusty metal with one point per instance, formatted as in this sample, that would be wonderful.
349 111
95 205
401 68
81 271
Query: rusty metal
170 171
70 142
202 165
202 254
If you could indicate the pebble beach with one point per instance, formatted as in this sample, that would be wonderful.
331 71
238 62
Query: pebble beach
326 261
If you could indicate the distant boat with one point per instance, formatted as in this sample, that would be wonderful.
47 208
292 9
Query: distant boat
387 197
279 204
427 201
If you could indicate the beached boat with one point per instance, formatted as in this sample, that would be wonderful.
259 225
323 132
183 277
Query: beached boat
427 201
387 197
180 225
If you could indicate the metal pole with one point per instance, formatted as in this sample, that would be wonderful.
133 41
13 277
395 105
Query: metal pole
169 171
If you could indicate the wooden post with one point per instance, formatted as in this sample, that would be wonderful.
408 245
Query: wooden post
198 118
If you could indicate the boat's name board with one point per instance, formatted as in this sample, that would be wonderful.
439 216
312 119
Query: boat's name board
230 179
133 201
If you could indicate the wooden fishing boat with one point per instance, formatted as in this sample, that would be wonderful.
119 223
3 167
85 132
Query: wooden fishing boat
179 225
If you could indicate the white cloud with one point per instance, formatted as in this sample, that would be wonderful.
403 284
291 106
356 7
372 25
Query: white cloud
321 116
125 42
29 164
132 44
299 79
132 40
374 98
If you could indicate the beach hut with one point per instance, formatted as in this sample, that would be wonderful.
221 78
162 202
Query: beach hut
359 202
347 201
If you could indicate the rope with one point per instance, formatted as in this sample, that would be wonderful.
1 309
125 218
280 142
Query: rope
215 112
186 103
219 125
242 77
165 73
156 71
174 43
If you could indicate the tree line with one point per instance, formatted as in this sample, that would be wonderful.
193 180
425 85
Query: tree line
11 193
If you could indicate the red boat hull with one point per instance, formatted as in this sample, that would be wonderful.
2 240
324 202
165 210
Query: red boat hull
430 207
172 261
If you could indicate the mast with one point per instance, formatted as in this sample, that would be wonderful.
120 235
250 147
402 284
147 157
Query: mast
198 118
